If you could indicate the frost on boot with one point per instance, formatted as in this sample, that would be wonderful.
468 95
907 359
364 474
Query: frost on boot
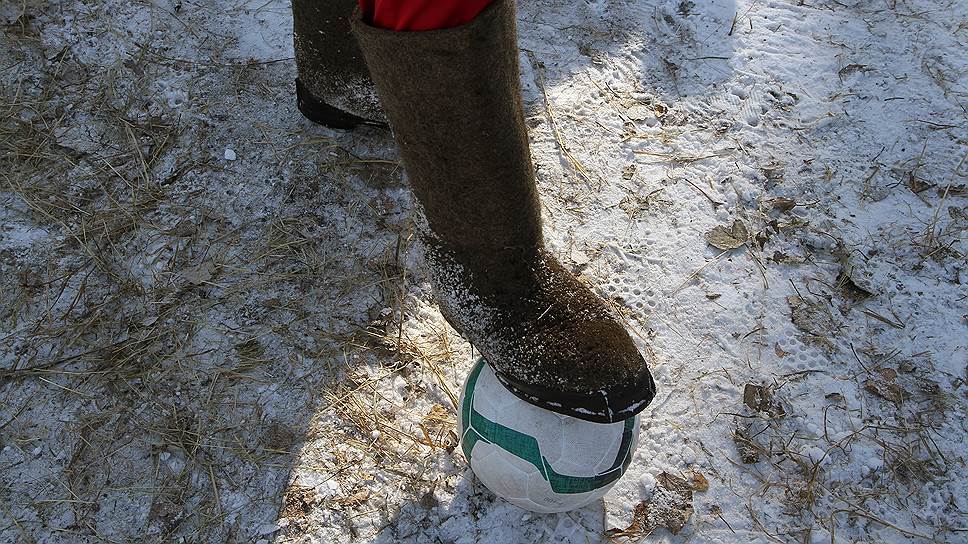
549 338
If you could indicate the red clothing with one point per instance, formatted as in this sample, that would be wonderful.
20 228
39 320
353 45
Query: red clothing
420 14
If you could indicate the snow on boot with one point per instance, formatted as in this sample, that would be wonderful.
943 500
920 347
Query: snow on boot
453 100
333 88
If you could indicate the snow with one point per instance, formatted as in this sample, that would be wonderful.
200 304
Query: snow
197 347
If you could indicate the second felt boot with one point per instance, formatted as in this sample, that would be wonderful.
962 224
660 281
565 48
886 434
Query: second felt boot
453 101
333 87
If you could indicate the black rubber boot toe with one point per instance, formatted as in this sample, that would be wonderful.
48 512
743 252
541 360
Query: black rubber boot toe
322 113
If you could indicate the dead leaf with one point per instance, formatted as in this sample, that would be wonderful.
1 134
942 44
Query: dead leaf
759 398
722 238
754 397
182 229
779 351
640 112
906 366
886 391
670 507
748 449
297 502
850 69
784 204
761 238
628 172
953 190
850 287
917 185
199 274
355 499
747 454
429 500
813 319
885 386
697 481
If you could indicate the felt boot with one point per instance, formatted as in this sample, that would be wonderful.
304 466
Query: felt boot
453 101
333 87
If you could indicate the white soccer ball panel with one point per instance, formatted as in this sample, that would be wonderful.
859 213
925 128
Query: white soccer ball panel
502 473
546 501
572 448
493 401
587 444
609 459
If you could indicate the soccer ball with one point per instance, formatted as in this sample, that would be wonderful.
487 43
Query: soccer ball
539 460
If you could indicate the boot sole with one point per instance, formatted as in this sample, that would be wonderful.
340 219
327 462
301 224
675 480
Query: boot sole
595 407
322 113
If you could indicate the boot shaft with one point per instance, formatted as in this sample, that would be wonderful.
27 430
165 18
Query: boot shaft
332 74
453 99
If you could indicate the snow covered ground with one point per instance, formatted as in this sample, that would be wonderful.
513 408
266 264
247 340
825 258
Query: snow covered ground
215 326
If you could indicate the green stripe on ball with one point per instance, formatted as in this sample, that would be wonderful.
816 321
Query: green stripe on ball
478 427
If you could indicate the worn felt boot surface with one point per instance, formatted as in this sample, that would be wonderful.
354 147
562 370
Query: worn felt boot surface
453 100
334 87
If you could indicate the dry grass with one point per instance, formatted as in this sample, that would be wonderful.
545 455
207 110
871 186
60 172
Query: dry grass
160 327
